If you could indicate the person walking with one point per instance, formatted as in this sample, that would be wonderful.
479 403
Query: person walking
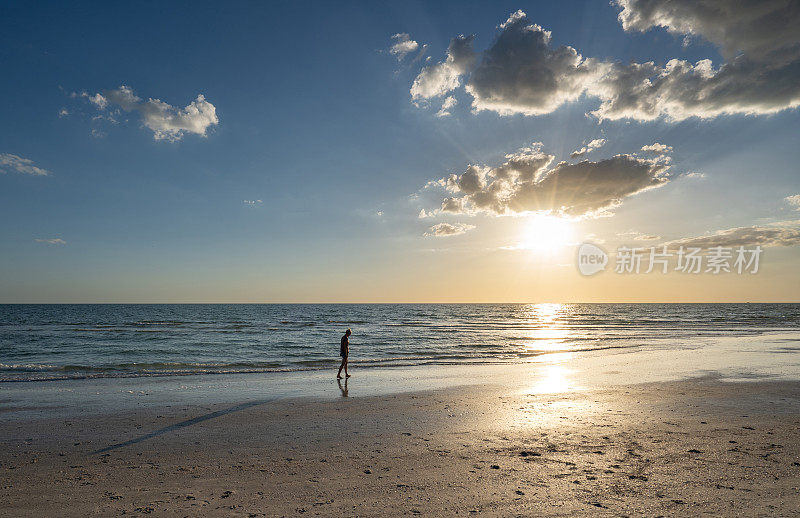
344 352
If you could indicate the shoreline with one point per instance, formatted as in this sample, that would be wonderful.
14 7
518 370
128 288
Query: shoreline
732 358
170 369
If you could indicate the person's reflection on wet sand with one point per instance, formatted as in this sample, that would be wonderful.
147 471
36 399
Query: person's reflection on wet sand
342 388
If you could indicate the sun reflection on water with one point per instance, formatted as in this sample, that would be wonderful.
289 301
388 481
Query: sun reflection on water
547 333
551 390
544 332
544 313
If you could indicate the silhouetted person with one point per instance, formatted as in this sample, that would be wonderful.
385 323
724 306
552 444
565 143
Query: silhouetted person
344 351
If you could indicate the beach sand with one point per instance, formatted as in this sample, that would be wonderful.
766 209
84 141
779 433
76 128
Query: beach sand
524 445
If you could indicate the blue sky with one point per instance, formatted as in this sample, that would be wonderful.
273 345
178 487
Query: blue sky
315 120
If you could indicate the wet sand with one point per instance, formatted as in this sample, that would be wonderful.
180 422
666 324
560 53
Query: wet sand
515 446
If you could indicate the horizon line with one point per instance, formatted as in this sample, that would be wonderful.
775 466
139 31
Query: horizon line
391 303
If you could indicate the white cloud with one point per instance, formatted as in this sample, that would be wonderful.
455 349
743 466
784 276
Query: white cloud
449 102
54 241
657 149
794 201
693 174
20 165
63 112
441 78
402 45
447 229
588 148
98 100
108 117
523 183
167 122
252 203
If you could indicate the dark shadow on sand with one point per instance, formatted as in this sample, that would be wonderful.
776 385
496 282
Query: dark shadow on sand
183 424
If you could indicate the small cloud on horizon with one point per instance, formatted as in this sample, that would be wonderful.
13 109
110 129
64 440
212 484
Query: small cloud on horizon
52 241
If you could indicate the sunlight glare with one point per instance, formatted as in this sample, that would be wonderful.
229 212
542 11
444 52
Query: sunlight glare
546 233
552 379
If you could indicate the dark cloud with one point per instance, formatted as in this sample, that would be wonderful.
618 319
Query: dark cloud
521 72
759 38
755 27
524 184
587 188
744 236
680 89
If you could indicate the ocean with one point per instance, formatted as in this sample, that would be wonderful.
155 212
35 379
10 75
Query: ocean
44 342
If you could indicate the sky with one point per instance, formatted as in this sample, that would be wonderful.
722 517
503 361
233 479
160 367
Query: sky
396 151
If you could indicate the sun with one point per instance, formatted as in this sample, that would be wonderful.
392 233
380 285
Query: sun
546 233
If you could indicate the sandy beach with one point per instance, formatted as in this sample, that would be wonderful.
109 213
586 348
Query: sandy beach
525 440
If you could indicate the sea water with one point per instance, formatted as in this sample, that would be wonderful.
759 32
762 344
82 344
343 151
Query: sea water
40 342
